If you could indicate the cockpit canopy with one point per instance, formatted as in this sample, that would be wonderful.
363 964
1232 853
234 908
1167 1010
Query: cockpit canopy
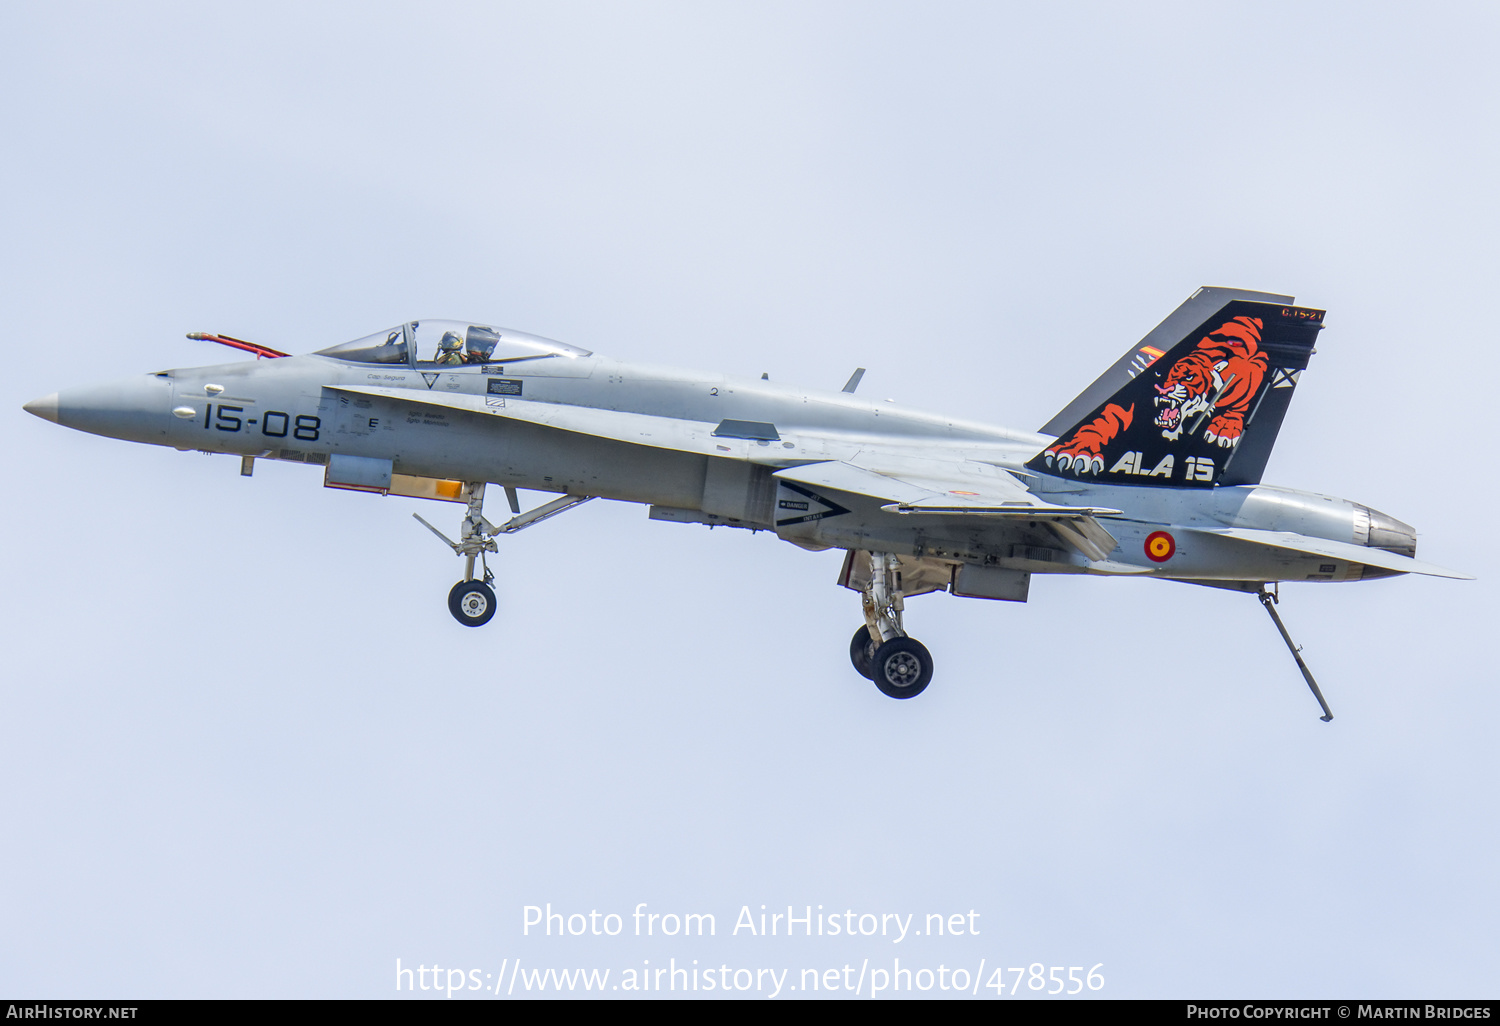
452 343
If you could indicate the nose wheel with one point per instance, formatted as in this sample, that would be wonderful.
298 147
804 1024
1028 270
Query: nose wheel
472 603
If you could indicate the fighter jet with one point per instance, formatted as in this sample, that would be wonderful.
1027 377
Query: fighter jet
1154 470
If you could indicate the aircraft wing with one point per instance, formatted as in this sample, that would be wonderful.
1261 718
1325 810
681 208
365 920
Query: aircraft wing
635 428
908 485
912 485
956 488
1343 551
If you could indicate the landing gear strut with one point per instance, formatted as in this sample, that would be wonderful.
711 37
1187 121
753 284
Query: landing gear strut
472 601
901 667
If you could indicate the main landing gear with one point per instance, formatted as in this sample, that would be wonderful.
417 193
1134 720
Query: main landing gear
901 667
472 600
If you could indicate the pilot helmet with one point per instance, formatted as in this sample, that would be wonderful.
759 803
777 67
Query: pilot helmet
451 343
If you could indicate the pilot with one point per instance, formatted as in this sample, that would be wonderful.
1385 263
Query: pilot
450 349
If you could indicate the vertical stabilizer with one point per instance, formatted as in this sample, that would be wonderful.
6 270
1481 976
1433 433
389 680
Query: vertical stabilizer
1198 402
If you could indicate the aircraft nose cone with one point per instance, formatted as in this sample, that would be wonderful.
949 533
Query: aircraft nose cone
45 407
137 408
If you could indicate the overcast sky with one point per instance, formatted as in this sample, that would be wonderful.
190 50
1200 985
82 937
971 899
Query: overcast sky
246 751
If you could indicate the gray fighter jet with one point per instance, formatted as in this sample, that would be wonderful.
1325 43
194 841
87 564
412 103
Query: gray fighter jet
1154 470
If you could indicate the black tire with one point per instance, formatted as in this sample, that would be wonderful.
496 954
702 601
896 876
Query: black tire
903 668
862 653
472 603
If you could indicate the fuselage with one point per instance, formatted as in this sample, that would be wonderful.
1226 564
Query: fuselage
295 408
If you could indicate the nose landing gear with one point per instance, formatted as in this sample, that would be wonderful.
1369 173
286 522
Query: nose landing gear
472 601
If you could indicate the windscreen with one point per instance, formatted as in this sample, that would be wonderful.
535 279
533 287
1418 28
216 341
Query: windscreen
382 347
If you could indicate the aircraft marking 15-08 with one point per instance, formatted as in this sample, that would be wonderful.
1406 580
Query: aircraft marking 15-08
1154 470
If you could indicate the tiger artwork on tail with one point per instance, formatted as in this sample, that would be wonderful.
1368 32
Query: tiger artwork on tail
1221 375
1080 452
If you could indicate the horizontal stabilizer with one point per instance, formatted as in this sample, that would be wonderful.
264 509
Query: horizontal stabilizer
1344 551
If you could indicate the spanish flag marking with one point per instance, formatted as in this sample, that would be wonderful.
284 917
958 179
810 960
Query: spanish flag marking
1160 546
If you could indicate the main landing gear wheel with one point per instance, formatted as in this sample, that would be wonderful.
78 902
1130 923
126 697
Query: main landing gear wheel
902 668
472 603
862 653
